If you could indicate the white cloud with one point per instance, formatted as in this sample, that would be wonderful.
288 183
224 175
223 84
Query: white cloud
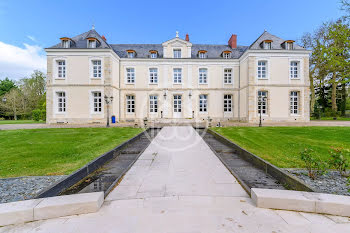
32 38
17 62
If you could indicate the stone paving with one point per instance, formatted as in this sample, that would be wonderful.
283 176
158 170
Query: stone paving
178 185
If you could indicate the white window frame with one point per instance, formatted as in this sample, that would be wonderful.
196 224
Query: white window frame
61 99
202 55
130 76
226 55
153 104
294 101
63 67
99 68
289 45
203 103
228 76
267 45
259 68
154 55
177 76
130 104
91 44
131 54
293 69
264 103
66 44
177 53
153 76
228 103
203 76
96 106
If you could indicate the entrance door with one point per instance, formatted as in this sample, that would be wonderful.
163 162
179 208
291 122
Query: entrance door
177 106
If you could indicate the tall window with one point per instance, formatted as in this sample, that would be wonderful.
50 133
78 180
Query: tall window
177 75
96 69
153 103
177 53
294 102
294 70
61 101
61 69
227 103
97 100
92 44
203 103
227 76
262 68
153 75
130 75
262 102
203 76
130 103
227 55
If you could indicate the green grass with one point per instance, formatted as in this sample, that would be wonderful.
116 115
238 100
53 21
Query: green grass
3 122
331 119
37 152
281 145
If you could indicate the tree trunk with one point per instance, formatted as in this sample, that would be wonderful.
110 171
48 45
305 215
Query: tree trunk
312 89
343 99
334 95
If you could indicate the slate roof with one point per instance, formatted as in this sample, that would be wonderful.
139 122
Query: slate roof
142 50
276 43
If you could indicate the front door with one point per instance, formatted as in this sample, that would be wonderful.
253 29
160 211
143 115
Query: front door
177 112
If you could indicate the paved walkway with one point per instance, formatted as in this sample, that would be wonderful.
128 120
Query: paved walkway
178 185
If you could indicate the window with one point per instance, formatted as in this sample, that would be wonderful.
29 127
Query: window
96 69
227 55
131 54
97 100
203 76
177 53
61 101
227 103
267 45
294 70
262 68
294 102
153 103
65 44
153 55
227 76
130 103
203 103
91 44
153 75
202 55
177 75
262 102
61 69
289 45
130 75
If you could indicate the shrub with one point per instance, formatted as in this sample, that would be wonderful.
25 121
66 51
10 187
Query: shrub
312 162
338 161
36 114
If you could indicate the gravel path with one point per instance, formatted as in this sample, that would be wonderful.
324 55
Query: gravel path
331 182
23 188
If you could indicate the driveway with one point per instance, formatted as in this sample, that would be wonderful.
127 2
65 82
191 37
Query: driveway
178 185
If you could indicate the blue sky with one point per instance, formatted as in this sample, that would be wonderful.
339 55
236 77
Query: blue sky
29 26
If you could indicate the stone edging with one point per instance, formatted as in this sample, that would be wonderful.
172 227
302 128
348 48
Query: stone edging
51 207
320 203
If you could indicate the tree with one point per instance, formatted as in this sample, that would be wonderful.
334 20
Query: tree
13 105
6 85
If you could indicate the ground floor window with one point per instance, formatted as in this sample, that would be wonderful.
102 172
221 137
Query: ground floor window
227 103
203 103
294 102
97 101
262 102
130 103
153 103
61 101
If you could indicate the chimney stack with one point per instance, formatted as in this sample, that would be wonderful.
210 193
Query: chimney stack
187 37
104 38
233 41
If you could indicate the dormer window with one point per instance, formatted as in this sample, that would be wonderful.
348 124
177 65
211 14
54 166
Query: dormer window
91 44
131 53
288 45
65 42
177 53
226 54
153 53
202 54
267 44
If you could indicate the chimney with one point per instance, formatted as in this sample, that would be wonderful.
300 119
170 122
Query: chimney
104 38
187 37
232 42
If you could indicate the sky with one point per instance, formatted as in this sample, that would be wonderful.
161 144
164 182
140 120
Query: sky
27 27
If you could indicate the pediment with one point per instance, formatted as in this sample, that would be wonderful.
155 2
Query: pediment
177 42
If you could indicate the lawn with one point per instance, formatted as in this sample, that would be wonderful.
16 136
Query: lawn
3 122
331 119
37 152
281 145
